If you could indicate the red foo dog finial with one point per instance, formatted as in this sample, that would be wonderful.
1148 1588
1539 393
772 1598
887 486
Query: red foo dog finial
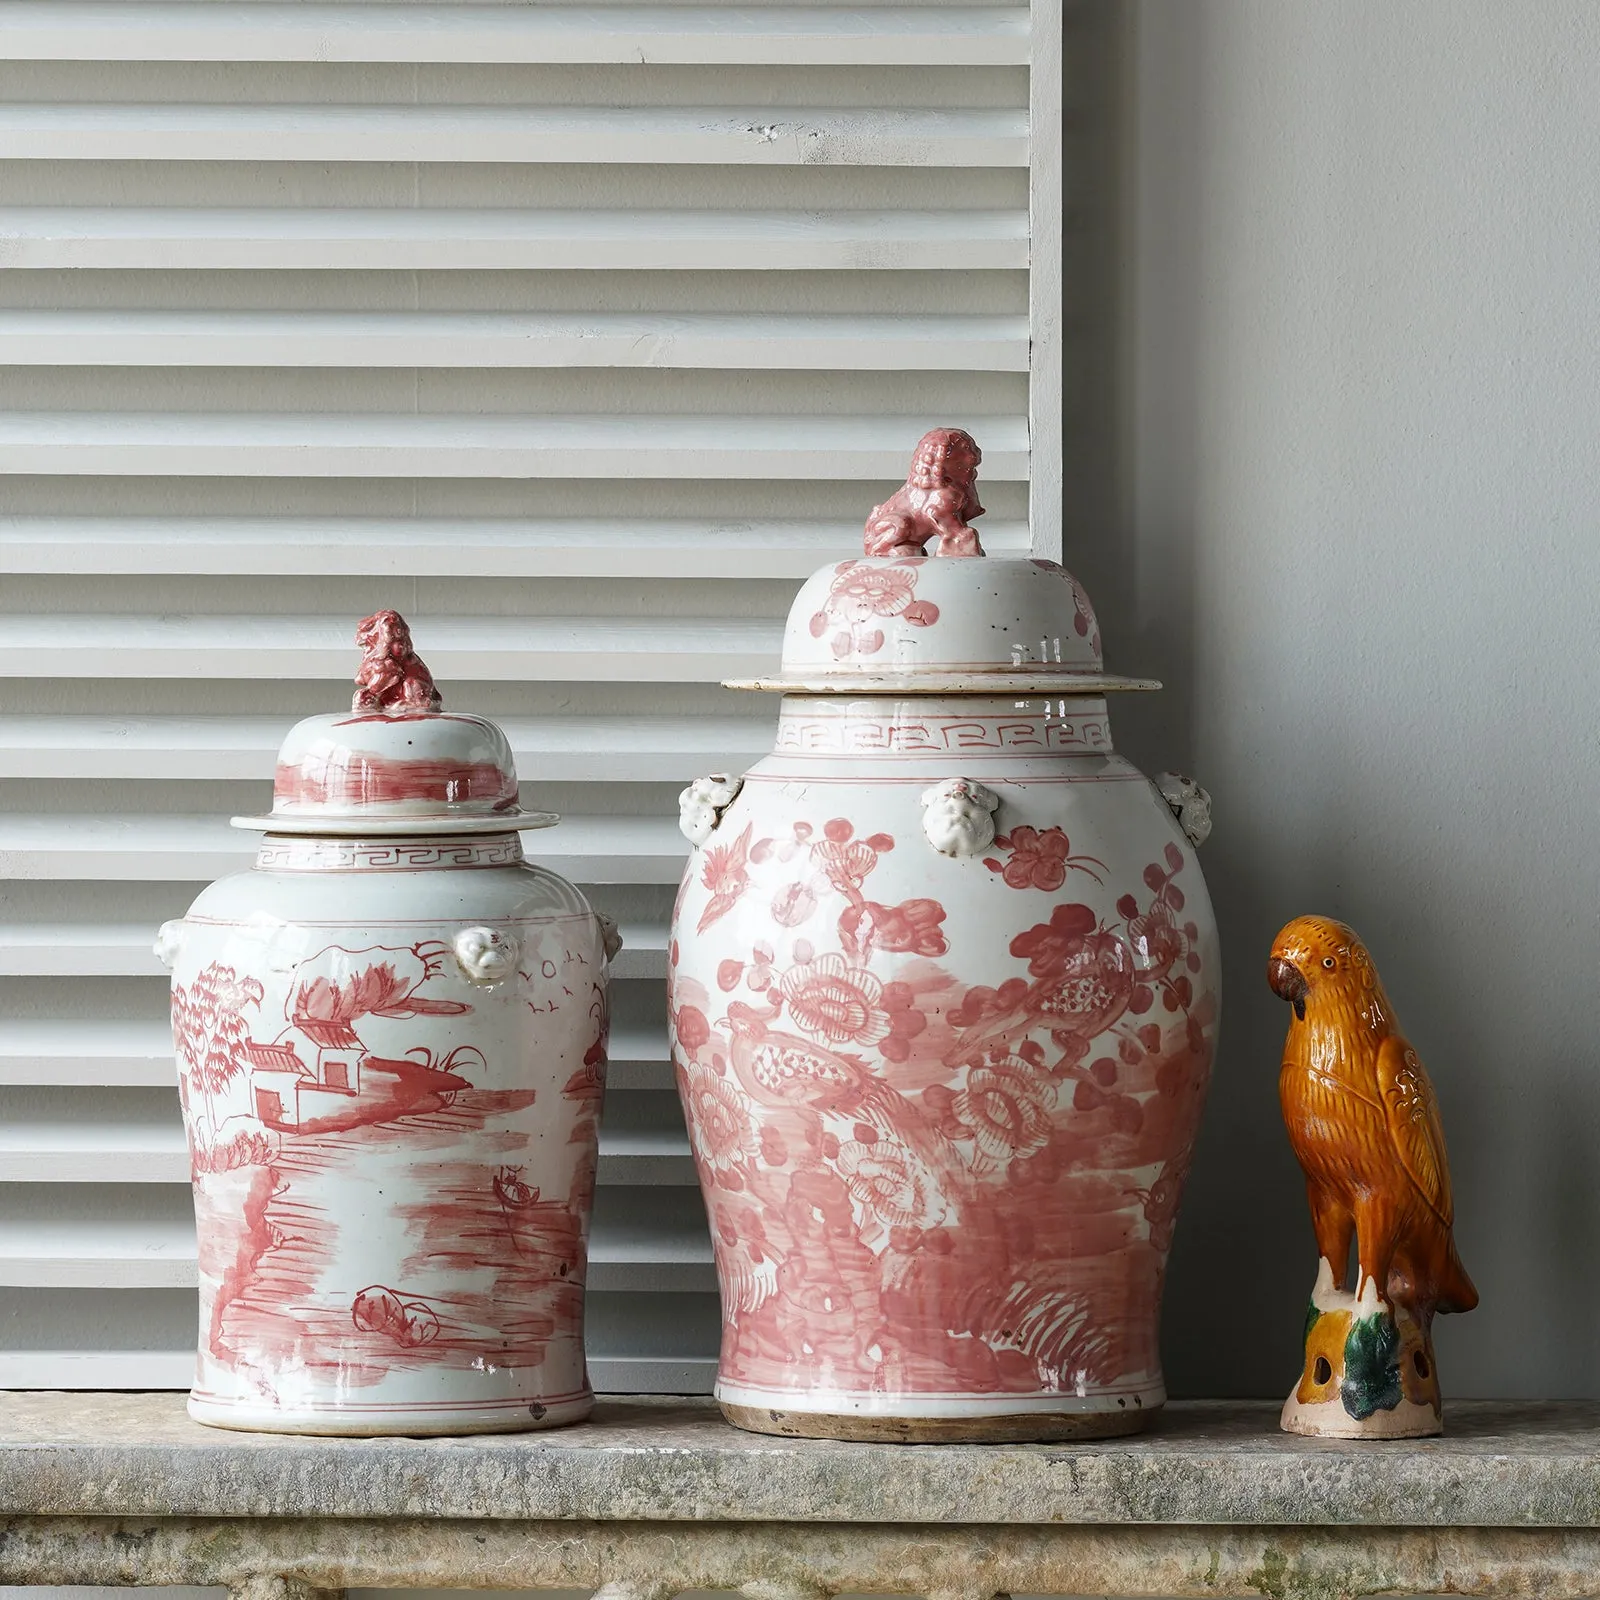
939 501
391 676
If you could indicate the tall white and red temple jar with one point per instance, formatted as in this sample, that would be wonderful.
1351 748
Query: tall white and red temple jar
944 1000
390 1038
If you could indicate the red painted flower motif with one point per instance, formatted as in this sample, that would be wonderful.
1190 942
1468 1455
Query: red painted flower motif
1005 1106
1040 860
861 593
847 863
1157 941
720 1123
885 1181
829 999
912 926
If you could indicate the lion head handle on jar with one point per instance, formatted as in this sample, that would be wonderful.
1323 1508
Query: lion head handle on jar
487 955
391 677
169 942
958 816
701 805
939 501
1189 803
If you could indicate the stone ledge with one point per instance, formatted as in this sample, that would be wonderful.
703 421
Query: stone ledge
320 1560
1503 1464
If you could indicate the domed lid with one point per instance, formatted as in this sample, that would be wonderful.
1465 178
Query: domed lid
395 763
898 621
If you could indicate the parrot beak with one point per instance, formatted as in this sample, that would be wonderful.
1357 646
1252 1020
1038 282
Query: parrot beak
1285 980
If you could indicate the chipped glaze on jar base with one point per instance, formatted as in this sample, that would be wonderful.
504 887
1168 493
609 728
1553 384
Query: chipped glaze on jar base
944 1004
391 1058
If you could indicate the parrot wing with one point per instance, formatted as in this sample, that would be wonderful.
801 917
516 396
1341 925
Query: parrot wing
1414 1125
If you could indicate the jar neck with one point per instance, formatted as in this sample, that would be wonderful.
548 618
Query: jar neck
309 853
916 727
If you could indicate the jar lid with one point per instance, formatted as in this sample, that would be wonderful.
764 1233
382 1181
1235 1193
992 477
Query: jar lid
396 763
899 621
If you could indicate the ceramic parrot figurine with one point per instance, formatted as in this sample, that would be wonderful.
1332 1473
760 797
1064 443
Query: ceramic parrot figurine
1364 1124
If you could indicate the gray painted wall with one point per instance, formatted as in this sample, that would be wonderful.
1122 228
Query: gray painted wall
1350 512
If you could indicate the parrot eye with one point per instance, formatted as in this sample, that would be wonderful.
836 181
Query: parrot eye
1328 962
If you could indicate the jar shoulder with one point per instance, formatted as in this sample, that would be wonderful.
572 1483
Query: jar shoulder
522 893
866 767
1104 797
994 853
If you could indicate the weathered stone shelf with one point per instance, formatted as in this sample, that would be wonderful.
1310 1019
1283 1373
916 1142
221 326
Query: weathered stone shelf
656 1495
661 1459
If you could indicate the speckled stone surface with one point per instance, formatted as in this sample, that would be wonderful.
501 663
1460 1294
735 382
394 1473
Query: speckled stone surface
1499 1465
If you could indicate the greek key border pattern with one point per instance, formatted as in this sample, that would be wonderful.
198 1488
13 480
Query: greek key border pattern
388 855
1074 734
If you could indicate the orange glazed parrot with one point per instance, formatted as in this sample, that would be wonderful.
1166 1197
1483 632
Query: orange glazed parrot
1364 1123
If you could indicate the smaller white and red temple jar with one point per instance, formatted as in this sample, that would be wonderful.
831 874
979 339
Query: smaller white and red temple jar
391 1039
944 997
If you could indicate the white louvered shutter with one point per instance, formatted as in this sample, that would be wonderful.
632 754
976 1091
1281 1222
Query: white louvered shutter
577 335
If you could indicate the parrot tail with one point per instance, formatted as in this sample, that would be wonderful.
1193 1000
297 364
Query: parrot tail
1457 1291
